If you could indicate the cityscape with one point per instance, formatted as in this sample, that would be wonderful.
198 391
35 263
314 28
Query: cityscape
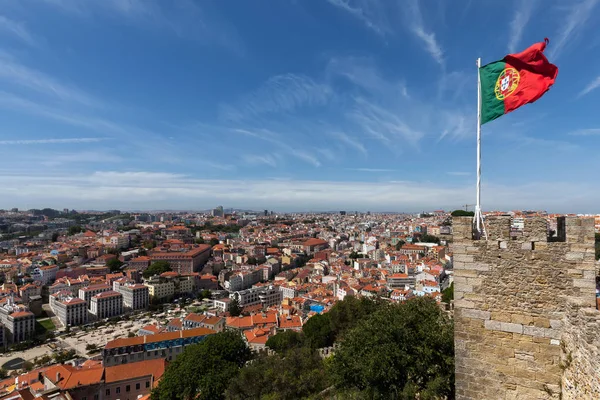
114 297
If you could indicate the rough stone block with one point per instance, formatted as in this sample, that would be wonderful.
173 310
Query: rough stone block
527 246
476 314
464 304
555 324
534 331
584 283
574 256
501 316
492 325
503 244
510 327
541 322
521 319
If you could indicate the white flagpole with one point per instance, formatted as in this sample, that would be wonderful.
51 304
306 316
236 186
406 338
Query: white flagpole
478 215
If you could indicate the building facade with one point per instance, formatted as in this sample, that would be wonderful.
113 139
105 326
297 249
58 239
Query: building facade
135 296
184 262
71 311
106 304
166 345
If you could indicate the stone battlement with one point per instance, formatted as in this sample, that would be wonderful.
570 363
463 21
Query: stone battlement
519 304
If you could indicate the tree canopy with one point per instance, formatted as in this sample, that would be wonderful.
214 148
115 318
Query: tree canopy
234 307
114 264
448 294
397 352
74 230
203 371
462 213
156 268
297 374
284 341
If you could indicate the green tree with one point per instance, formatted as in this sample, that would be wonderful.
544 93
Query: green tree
203 371
213 242
318 332
462 213
429 239
74 230
448 294
410 352
149 244
252 261
399 244
55 236
3 373
200 241
27 366
297 374
284 341
114 265
234 307
204 294
156 268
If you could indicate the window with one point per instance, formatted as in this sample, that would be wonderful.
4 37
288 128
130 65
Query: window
96 397
118 389
127 388
137 386
108 392
147 384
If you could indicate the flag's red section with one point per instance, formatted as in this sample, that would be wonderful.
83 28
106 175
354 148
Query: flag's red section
536 75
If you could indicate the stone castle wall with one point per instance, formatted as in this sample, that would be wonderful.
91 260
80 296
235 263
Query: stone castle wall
525 311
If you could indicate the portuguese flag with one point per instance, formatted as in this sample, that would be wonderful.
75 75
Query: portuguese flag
514 81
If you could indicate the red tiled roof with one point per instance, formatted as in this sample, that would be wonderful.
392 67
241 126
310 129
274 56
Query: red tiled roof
155 367
122 342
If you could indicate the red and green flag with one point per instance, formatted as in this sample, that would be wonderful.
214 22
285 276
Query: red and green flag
514 81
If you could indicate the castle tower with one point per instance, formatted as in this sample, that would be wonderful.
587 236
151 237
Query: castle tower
526 324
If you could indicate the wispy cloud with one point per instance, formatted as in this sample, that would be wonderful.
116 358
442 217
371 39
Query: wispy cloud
593 85
383 124
576 17
523 11
185 18
585 132
153 190
260 159
14 73
350 141
16 29
279 94
51 141
369 12
428 39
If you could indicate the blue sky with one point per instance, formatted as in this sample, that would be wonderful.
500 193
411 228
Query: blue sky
291 105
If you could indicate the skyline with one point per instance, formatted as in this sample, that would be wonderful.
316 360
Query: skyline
332 105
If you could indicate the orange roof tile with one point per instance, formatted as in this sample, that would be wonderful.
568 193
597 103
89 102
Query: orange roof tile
155 367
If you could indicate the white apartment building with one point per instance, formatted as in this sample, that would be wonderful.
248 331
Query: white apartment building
45 274
243 279
169 285
266 295
107 304
18 322
135 296
86 293
71 311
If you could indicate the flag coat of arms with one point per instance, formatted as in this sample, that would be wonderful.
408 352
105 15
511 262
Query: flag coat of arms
514 81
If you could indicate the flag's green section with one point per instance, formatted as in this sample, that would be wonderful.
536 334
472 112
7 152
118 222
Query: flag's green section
491 107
